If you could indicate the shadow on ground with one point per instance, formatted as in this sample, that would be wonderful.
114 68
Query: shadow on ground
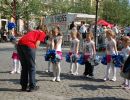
14 81
6 49
94 87
5 72
9 89
66 76
99 98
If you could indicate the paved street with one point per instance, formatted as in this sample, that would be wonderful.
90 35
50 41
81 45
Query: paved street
70 87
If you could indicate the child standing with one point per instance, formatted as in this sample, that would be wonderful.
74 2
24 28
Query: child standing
16 61
56 45
49 47
89 54
111 49
126 52
74 52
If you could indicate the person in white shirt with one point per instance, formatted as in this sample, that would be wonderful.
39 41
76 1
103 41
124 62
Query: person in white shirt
115 29
83 29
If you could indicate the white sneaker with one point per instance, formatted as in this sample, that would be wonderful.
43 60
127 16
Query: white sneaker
106 79
58 79
18 72
54 79
127 88
46 71
12 72
76 73
113 79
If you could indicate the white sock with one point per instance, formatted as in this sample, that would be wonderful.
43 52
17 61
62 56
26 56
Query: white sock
107 70
49 68
54 70
71 67
58 70
19 66
14 64
126 81
76 68
113 70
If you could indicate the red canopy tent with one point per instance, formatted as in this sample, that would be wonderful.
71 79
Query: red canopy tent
104 23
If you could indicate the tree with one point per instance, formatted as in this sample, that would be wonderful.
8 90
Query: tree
116 11
21 8
84 6
60 6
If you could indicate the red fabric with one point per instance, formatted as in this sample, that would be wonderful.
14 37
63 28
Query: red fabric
60 54
31 38
104 23
70 53
15 56
86 56
109 58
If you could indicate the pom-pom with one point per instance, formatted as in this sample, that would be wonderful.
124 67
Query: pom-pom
50 55
117 60
74 57
68 57
96 60
81 60
104 60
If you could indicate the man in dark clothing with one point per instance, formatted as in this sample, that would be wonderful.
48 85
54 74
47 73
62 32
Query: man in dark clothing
26 49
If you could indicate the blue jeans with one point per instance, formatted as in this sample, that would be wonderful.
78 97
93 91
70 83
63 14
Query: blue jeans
27 59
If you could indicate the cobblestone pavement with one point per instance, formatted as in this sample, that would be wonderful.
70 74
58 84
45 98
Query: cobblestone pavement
70 87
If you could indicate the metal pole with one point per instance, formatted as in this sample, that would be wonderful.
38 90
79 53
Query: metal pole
97 1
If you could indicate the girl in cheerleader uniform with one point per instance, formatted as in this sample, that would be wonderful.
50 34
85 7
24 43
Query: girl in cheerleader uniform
56 45
49 47
111 49
89 53
16 61
74 53
126 52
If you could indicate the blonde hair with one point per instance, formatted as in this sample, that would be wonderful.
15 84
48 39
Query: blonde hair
110 33
73 33
126 40
58 28
90 34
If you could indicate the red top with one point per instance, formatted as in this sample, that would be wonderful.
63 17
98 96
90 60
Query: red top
31 38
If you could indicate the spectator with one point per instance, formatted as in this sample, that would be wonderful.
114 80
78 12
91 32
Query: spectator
83 29
26 49
115 29
72 25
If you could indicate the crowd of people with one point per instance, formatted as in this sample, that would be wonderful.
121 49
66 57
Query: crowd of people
81 37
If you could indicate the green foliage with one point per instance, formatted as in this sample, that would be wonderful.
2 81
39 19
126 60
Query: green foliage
67 6
82 7
23 9
116 11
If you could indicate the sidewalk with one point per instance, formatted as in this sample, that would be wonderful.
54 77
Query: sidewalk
70 88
